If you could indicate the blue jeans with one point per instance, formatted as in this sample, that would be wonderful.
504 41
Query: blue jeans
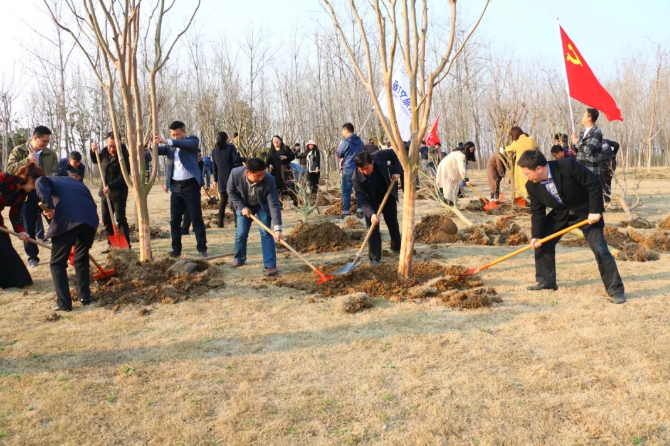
207 172
267 240
31 214
347 186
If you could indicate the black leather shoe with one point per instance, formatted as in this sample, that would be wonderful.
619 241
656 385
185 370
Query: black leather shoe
85 303
203 254
618 299
174 254
106 251
65 310
541 286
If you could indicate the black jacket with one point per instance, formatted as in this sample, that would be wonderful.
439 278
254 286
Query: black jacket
282 175
223 161
112 169
387 163
581 193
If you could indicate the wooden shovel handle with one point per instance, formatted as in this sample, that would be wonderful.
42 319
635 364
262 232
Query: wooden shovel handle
379 211
9 231
479 195
290 248
527 247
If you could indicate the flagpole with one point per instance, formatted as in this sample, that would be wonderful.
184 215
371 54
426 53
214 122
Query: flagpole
567 84
360 130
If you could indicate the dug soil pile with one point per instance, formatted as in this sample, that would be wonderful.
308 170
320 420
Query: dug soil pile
322 237
664 224
352 223
156 233
638 223
632 246
336 207
637 253
501 231
434 229
659 240
429 280
149 283
504 208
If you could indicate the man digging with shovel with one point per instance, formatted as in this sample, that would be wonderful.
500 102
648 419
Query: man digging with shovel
372 178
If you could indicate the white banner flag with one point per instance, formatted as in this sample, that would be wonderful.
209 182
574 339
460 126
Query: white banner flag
401 101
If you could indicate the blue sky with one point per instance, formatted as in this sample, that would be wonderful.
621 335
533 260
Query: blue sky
604 30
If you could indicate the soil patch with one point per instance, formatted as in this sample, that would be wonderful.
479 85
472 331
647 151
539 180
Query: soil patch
664 224
429 279
356 302
637 253
352 223
615 238
504 208
471 299
574 243
659 241
436 229
149 283
638 223
156 233
336 207
322 237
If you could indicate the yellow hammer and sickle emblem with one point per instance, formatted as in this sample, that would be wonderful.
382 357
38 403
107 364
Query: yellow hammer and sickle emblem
574 58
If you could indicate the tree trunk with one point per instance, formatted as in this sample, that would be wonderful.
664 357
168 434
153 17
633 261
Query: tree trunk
143 227
408 215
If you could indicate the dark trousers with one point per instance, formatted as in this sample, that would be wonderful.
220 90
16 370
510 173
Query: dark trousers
186 224
30 213
545 257
223 201
81 237
118 199
607 169
13 272
186 196
390 213
313 178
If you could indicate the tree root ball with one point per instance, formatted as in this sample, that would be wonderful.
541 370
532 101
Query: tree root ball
322 237
471 299
436 229
353 303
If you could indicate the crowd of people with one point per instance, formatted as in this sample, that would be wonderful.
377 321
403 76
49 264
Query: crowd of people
576 185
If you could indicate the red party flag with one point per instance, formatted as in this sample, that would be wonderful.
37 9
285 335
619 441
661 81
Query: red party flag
583 84
432 138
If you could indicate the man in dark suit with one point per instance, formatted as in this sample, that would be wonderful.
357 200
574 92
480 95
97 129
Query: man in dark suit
73 161
371 179
254 192
116 187
184 180
574 194
74 220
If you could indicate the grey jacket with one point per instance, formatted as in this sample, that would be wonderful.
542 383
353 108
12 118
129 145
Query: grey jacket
238 191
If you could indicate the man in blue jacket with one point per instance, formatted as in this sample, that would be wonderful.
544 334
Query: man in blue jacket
184 180
350 147
73 161
74 220
254 192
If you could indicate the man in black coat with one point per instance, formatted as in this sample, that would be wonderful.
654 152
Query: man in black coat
74 220
224 160
116 186
574 194
371 180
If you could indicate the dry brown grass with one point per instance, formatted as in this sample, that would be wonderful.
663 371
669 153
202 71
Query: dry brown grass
255 364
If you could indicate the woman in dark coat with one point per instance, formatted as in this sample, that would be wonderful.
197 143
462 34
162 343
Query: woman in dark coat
224 159
313 165
279 162
13 192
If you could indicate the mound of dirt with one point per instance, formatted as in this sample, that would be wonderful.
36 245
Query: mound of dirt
615 238
352 223
574 243
336 207
434 229
323 200
510 232
322 237
356 302
383 281
479 234
659 241
504 208
638 223
475 206
156 233
148 283
206 205
637 253
664 224
471 299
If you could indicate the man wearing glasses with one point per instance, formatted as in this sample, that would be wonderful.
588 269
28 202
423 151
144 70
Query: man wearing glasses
33 151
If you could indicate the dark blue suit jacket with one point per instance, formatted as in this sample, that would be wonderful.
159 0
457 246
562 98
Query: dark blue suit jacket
65 164
387 163
74 204
188 155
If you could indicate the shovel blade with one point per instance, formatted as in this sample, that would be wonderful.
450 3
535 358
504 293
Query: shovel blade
470 272
102 275
520 201
325 279
118 241
349 267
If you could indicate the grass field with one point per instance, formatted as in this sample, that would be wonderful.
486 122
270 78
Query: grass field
243 366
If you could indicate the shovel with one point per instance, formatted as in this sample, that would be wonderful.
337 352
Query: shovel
101 275
488 205
117 240
349 267
472 272
322 277
520 201
210 200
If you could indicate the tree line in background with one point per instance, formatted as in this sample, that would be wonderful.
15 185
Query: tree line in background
302 85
